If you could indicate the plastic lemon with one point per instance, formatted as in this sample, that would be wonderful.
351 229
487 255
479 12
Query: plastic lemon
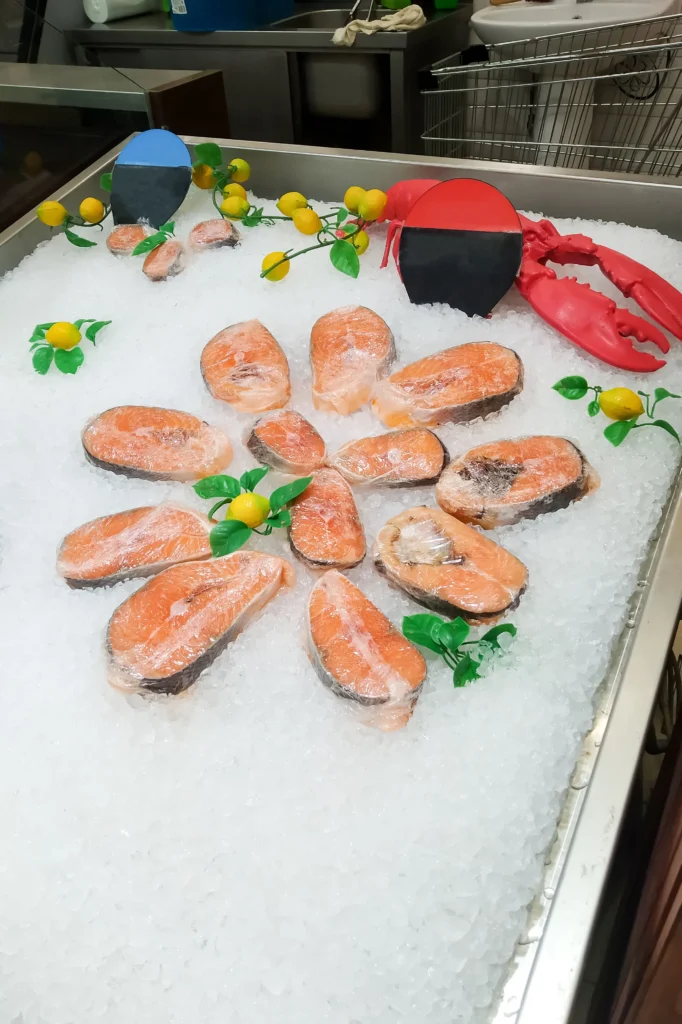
291 201
371 205
51 213
252 509
202 176
234 189
91 210
234 207
239 169
307 221
360 240
63 335
352 197
280 272
620 404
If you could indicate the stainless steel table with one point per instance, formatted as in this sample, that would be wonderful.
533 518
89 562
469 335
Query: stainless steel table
543 974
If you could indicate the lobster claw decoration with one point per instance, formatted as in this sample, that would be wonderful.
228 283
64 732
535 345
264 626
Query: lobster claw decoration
589 319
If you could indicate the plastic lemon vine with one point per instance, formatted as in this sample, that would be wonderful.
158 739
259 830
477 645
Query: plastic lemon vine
59 342
91 213
246 510
621 405
449 640
154 241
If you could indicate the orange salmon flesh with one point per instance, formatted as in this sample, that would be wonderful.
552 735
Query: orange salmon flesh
245 367
350 348
287 442
403 458
326 529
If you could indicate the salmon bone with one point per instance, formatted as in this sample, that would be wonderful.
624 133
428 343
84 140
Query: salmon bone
586 317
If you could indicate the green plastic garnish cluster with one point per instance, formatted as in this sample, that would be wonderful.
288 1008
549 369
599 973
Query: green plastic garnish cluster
342 253
575 388
66 360
449 640
77 222
231 534
154 241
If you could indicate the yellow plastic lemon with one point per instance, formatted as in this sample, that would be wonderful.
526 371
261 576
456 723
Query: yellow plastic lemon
291 201
371 205
252 509
91 210
352 197
360 240
234 189
278 273
620 404
307 221
234 207
51 213
63 335
239 169
202 176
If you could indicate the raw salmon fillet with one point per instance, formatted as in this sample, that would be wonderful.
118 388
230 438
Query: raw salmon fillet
456 385
167 260
164 636
140 542
402 458
326 531
213 234
123 239
449 567
359 655
350 348
287 442
244 366
155 444
504 482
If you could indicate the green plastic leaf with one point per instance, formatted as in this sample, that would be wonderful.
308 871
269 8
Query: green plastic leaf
37 336
218 487
618 431
168 228
79 323
593 408
266 531
571 387
465 672
228 536
218 504
283 495
423 630
661 393
92 331
253 477
345 258
452 634
351 229
253 218
105 181
664 425
283 518
44 327
208 153
82 243
341 216
42 358
149 243
491 636
68 362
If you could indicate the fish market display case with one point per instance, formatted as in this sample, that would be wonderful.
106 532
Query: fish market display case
543 975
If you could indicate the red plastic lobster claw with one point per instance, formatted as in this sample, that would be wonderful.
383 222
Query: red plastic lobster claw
588 318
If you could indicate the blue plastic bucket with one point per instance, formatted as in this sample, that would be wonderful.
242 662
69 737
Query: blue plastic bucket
213 15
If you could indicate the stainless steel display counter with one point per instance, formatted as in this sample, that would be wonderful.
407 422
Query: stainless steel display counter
544 972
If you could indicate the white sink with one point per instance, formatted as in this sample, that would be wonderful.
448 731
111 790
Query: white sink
527 20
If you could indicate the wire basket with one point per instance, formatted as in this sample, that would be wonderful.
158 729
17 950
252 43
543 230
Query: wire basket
607 99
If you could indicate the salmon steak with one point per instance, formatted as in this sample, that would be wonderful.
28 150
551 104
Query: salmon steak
402 458
504 482
360 655
164 635
244 366
288 443
453 386
155 444
326 530
126 237
350 348
213 234
449 567
167 260
139 542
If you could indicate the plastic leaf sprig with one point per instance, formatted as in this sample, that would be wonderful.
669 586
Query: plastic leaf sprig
67 360
449 640
55 215
154 241
231 534
621 405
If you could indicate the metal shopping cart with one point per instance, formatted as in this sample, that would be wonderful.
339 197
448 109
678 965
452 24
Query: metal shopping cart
608 99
